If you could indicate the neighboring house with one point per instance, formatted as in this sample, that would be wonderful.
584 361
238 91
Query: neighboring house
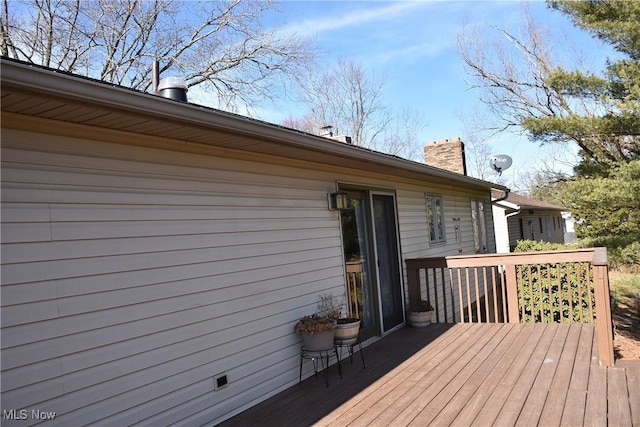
515 217
150 247
521 218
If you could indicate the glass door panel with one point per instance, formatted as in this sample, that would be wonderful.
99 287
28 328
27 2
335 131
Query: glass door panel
388 262
357 255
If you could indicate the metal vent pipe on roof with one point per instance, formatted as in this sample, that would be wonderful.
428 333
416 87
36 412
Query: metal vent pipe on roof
173 88
155 76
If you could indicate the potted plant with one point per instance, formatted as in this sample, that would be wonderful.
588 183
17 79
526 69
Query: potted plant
420 314
317 331
347 327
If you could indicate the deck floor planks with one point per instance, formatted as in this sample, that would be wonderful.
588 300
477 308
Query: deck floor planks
475 383
384 366
460 378
457 379
633 384
619 411
480 370
595 413
504 392
385 413
293 407
532 408
554 403
575 403
524 344
518 395
438 379
392 387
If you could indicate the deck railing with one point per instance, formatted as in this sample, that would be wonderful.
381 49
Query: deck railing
567 286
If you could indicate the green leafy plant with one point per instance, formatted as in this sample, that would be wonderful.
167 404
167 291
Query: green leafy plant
560 292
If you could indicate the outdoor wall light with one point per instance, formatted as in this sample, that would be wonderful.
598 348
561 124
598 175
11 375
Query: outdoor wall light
338 200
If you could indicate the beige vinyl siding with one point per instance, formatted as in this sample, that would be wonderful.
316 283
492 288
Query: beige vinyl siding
414 226
127 284
135 269
414 229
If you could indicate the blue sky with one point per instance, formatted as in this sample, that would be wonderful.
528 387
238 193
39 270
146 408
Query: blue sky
413 46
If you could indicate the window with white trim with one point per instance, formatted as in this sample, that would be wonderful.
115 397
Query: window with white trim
435 216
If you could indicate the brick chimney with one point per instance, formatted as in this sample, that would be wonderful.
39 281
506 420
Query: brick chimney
446 154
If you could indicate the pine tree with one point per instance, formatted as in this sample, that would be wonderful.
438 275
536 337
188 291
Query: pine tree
610 133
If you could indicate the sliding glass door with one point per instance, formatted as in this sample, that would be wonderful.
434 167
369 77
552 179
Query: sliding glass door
370 240
388 262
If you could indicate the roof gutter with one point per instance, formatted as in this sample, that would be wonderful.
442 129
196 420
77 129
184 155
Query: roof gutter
506 194
513 213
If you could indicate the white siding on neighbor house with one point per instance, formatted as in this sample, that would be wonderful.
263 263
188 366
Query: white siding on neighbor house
131 276
532 229
134 270
502 229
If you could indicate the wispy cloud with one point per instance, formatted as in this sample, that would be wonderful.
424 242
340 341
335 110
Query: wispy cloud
363 15
416 51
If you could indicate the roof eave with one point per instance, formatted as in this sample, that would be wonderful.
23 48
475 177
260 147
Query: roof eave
38 80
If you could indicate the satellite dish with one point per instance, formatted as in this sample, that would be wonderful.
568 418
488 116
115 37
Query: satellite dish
501 162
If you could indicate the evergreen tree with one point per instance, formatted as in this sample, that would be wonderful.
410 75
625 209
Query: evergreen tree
607 205
610 130
605 196
600 112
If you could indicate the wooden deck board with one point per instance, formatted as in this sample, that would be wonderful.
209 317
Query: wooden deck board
519 394
554 403
464 374
573 414
440 377
496 381
596 409
619 410
633 384
393 387
430 372
537 397
477 382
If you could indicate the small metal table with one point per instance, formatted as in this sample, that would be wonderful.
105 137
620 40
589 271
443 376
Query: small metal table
342 343
320 358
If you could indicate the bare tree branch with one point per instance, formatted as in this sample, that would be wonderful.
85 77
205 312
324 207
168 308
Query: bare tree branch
218 45
512 75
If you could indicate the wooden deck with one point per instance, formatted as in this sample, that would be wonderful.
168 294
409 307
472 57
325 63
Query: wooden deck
463 375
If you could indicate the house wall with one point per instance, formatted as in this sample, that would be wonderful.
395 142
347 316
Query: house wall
415 239
135 269
550 232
